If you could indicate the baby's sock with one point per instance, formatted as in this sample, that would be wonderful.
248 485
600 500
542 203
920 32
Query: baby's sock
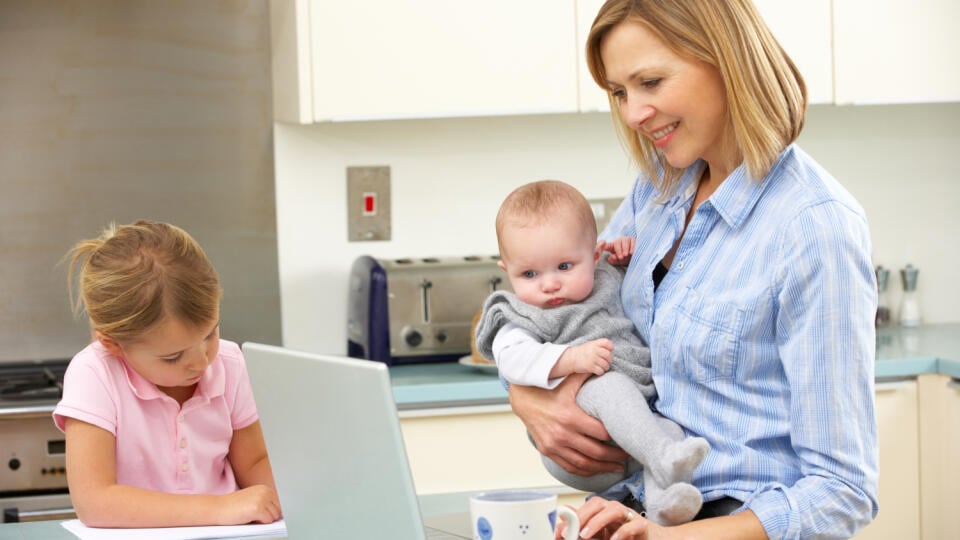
678 503
678 460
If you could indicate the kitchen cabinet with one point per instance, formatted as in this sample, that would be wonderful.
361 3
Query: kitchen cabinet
805 31
897 423
939 451
430 58
892 51
472 449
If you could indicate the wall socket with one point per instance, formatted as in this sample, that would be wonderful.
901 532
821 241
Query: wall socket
603 210
368 204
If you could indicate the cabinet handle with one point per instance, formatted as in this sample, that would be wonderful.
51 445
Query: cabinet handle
891 386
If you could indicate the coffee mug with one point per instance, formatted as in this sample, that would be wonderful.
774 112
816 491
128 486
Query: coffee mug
520 515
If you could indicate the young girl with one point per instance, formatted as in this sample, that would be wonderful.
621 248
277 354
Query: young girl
161 427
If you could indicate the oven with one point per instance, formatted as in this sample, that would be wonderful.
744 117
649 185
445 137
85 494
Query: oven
33 477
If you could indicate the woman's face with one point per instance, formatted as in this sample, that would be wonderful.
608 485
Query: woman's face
678 104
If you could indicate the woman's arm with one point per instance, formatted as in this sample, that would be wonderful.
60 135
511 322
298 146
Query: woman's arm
100 502
562 431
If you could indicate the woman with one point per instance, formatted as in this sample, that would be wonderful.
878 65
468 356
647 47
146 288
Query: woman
751 282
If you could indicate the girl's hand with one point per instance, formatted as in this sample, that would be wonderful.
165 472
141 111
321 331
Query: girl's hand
254 504
562 431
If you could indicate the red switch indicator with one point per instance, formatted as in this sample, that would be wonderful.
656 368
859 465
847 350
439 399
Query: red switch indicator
369 204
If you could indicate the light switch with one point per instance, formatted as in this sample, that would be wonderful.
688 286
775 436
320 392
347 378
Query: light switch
368 204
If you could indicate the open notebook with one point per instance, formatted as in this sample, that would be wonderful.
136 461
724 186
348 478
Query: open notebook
336 448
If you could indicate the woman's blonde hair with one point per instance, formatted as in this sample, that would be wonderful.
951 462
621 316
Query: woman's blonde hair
766 94
538 201
133 276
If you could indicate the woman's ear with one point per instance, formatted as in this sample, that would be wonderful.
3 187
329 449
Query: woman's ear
109 344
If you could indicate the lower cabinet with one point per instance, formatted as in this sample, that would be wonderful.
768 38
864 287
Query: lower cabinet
897 422
480 448
473 449
939 453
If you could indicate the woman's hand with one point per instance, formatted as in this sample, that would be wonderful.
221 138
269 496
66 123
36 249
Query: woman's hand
611 520
562 431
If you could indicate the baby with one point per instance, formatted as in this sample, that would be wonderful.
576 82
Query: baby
565 317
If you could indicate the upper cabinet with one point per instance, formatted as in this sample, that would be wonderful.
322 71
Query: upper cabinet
425 58
384 59
891 51
804 31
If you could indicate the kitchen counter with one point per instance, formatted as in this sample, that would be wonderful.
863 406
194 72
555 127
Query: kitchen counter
901 353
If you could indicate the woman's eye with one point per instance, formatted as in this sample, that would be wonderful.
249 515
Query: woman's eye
618 94
650 83
565 266
529 274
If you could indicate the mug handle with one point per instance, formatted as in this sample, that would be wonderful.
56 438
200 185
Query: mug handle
572 523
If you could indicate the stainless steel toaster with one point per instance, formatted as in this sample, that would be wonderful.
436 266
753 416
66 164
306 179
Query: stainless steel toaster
417 310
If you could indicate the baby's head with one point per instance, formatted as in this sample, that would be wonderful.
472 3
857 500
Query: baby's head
150 291
548 243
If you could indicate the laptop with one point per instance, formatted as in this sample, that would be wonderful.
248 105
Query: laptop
335 445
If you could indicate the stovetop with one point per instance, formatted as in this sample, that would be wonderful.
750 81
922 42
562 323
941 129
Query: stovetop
31 383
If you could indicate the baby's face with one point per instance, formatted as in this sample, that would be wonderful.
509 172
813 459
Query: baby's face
549 264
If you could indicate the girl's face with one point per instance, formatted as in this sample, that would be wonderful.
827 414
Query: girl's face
678 104
550 263
170 354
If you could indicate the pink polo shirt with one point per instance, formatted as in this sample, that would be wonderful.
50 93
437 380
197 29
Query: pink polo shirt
161 446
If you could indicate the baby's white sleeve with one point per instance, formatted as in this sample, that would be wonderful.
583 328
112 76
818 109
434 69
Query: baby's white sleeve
522 359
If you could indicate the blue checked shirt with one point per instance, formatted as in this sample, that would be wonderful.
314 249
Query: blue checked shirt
762 340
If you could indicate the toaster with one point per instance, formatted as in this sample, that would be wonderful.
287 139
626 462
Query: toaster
417 310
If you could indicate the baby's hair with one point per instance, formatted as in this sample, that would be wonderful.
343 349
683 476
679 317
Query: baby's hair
133 276
533 203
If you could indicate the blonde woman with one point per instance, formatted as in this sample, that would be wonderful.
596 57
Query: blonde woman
751 282
160 422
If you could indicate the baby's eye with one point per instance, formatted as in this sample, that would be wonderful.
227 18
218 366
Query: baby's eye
529 274
565 266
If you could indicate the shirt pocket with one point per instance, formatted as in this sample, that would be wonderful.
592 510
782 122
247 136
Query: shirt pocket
708 336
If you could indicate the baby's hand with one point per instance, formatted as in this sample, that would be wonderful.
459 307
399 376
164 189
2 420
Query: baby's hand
621 249
591 357
254 504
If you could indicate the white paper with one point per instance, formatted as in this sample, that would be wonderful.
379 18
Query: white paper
278 528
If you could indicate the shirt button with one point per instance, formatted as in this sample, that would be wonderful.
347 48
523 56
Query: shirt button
183 443
680 265
184 467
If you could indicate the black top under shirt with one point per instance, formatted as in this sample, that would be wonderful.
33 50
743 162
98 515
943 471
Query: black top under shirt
658 274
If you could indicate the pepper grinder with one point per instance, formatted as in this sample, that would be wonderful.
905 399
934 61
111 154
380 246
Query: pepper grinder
909 307
883 299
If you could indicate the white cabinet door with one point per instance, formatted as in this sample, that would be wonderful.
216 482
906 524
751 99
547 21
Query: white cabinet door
592 97
897 422
381 59
939 451
896 51
804 31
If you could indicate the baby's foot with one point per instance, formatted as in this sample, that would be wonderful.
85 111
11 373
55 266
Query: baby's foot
677 504
680 459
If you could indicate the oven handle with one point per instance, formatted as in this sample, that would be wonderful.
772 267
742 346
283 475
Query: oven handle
12 515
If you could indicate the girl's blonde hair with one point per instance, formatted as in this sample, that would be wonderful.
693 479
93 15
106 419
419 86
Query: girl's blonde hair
133 276
538 201
766 94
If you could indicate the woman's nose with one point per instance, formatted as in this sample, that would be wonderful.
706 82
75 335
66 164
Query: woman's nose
636 113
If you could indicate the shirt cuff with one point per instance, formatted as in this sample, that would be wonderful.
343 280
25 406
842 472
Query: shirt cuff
776 512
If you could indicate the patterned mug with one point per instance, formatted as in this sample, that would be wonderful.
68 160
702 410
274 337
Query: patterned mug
519 515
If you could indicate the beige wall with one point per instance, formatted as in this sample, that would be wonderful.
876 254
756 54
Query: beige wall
127 109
